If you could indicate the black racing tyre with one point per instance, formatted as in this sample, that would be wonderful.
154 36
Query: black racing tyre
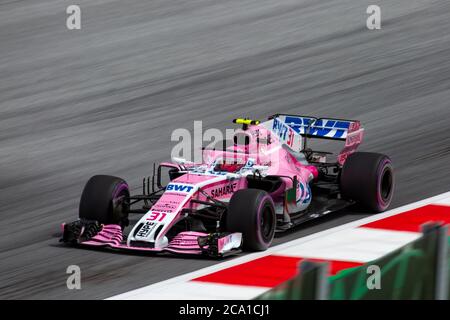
105 199
252 212
368 178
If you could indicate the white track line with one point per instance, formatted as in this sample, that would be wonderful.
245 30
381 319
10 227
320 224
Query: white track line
148 291
191 290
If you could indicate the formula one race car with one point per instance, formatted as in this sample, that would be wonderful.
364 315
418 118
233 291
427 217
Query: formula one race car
266 180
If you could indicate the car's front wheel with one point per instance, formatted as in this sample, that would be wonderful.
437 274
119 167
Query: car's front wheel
251 212
105 199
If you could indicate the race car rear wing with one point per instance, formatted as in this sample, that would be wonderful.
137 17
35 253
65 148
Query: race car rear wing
325 128
349 131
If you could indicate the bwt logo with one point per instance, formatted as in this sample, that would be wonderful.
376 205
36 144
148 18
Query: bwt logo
179 188
280 129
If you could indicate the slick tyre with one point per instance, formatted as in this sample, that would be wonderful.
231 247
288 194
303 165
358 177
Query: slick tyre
105 199
368 178
251 212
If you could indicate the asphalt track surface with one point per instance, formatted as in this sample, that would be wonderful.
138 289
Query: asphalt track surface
106 98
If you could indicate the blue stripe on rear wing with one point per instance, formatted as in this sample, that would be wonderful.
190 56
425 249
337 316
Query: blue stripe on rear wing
320 128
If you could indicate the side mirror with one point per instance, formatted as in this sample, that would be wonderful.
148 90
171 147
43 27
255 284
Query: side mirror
166 172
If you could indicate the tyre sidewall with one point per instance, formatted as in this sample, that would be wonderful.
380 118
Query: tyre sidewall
381 203
265 201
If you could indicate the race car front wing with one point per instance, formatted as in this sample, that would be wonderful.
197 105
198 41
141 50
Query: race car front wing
93 234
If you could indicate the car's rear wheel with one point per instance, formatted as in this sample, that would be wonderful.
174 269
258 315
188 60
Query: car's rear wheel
105 199
251 212
368 178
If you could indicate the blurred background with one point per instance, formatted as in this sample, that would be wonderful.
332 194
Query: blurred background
105 100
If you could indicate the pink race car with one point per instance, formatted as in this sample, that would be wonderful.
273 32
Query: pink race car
265 180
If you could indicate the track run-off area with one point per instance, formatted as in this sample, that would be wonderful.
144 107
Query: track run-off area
345 246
